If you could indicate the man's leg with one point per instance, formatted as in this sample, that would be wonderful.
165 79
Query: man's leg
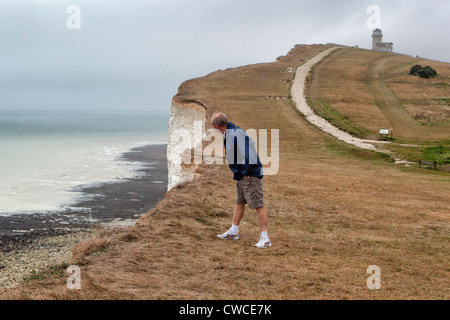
264 241
233 232
238 213
263 219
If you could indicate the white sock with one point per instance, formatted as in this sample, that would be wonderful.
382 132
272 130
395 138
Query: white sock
264 235
234 229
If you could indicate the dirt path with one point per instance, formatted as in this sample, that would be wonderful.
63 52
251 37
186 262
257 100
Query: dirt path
389 104
392 107
298 95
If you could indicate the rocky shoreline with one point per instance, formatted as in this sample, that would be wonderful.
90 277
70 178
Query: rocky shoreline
34 242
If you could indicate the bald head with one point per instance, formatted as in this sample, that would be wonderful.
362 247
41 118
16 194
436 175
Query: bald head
219 119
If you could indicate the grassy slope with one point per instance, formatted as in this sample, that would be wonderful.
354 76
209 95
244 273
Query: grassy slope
334 210
362 91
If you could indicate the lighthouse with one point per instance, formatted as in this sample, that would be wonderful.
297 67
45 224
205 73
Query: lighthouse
378 44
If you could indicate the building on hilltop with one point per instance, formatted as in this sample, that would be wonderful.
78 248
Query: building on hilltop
378 44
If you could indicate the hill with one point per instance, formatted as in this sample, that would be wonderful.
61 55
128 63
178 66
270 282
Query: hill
362 91
334 209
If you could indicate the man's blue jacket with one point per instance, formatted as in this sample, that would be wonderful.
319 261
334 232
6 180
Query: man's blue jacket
241 154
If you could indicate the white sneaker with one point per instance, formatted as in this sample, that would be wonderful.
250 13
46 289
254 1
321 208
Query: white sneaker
228 236
263 243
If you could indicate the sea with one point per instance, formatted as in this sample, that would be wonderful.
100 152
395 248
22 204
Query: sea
46 158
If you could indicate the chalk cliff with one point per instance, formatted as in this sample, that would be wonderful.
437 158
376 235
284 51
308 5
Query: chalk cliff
186 125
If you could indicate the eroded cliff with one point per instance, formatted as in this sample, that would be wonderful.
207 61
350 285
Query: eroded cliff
186 124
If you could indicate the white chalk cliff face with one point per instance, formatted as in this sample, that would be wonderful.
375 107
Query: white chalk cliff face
185 117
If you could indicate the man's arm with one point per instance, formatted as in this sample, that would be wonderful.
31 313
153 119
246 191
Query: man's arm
246 153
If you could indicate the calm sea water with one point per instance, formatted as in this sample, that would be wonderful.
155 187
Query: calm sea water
46 157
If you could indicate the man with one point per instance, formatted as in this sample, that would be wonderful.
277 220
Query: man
245 164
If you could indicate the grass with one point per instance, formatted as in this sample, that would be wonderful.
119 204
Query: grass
325 111
351 152
362 91
439 154
374 90
54 272
333 211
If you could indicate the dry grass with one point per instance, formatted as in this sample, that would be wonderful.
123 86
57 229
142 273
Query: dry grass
339 83
427 100
429 114
333 209
362 91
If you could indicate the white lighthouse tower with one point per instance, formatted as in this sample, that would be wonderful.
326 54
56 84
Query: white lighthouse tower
378 44
377 37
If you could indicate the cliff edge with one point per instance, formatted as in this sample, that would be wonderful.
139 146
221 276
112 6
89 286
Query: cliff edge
334 210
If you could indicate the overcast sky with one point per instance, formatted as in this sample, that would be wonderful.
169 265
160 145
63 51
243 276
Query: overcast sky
131 55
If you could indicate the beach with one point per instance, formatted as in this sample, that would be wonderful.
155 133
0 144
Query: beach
30 243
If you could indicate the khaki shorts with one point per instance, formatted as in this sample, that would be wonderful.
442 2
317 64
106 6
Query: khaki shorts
250 191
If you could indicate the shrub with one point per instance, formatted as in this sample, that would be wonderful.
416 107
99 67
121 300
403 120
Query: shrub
430 71
423 72
415 69
439 154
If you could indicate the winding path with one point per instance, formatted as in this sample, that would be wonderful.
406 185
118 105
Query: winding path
298 95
